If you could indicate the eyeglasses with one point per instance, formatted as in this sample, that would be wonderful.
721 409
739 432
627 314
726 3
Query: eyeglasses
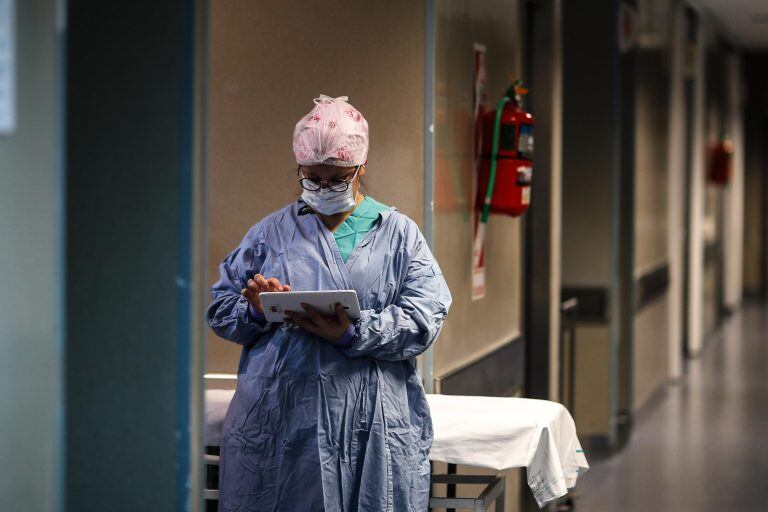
336 185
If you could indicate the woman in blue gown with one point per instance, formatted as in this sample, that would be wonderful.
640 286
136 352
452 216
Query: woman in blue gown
329 414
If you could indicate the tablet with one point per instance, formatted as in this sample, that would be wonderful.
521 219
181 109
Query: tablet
324 301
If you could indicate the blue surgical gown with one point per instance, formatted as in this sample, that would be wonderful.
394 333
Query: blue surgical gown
315 426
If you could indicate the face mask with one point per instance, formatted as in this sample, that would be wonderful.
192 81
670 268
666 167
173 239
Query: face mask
327 202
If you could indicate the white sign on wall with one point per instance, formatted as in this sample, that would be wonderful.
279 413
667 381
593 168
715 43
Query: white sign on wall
480 105
7 67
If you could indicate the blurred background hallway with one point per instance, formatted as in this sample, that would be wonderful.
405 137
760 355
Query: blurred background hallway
701 445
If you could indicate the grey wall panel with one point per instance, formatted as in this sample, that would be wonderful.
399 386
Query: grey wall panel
268 60
755 183
129 158
650 355
589 155
500 373
31 283
652 107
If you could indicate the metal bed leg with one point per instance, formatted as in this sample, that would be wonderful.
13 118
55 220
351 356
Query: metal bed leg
492 493
500 501
451 488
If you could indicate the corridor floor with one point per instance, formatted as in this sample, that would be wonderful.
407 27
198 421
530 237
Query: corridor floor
703 447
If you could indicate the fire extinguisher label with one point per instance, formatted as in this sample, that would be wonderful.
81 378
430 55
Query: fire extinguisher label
524 176
526 196
525 141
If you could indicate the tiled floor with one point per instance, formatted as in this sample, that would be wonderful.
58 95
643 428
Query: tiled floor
704 446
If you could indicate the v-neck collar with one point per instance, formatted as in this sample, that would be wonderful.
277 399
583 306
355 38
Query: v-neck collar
333 247
344 267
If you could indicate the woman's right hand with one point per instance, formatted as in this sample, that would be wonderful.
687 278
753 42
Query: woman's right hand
260 284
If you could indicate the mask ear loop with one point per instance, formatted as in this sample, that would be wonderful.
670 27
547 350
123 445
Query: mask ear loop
354 176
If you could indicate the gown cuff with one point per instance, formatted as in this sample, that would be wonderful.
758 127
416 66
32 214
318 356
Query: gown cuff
348 337
255 315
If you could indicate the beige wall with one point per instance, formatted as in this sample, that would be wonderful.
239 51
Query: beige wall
650 356
473 328
268 60
593 383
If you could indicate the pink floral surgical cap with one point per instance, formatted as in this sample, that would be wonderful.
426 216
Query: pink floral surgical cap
333 133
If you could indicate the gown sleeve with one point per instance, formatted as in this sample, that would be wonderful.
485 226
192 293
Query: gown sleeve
408 327
228 313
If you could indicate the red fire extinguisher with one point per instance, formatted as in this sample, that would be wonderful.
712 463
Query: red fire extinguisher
720 154
504 184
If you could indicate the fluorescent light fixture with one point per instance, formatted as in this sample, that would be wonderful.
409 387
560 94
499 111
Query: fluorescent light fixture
221 376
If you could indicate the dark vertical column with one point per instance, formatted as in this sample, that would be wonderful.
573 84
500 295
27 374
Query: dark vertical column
542 69
756 176
128 204
764 211
626 70
542 23
762 167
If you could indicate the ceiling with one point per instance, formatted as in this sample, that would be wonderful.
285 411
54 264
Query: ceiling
745 22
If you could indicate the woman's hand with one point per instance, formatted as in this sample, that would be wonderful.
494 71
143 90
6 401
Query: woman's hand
329 327
259 284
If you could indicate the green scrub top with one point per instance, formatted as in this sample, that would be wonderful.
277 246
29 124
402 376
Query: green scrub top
357 225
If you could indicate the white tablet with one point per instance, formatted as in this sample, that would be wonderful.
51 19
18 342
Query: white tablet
324 301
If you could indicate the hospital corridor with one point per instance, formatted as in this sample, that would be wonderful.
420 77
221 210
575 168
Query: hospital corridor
695 449
383 256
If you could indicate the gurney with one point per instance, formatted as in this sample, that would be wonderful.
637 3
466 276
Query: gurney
496 433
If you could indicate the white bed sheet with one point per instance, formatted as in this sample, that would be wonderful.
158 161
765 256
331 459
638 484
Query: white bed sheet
504 433
489 432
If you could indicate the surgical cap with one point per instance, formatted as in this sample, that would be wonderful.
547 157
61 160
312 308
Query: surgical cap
333 133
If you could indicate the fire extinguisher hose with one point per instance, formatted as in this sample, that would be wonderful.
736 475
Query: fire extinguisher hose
494 160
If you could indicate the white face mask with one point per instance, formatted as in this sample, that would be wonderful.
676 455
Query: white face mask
327 202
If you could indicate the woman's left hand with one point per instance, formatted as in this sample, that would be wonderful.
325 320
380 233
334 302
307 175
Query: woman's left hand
329 327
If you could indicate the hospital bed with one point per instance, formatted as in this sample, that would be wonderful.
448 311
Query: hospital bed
496 433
